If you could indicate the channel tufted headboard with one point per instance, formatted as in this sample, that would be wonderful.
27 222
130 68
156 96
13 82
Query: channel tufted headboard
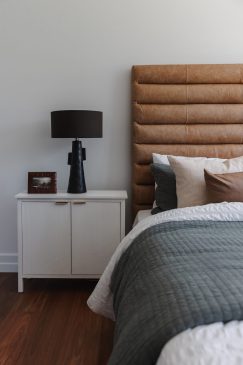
190 110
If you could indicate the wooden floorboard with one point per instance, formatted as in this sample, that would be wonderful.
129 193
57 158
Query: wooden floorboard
50 324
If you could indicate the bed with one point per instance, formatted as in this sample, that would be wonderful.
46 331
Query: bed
174 284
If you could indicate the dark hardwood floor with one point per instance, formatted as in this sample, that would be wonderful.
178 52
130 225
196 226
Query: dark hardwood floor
50 324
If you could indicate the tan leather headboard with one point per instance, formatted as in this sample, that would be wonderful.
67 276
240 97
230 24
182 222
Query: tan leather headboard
190 110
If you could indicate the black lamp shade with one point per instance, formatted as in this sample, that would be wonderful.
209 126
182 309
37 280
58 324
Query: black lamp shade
76 124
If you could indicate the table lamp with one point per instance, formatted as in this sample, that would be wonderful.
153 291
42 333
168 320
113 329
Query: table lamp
76 124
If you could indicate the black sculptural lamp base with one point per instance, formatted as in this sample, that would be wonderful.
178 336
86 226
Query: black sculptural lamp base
76 183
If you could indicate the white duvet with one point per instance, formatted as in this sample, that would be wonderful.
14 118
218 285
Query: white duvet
212 344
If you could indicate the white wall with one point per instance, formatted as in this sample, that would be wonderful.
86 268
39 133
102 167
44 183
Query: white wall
57 54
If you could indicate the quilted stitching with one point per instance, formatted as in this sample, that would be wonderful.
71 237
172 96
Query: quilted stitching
174 276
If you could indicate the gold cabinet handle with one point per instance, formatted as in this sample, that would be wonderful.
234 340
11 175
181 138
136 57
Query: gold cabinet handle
79 203
61 203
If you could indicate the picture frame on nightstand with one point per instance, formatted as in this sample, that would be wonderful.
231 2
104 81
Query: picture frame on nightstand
42 182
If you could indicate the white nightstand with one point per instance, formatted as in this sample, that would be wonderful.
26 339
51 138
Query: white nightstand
68 235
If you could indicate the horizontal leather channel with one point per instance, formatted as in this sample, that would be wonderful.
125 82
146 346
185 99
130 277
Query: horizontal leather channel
188 113
188 134
143 194
142 175
188 110
188 94
142 153
188 74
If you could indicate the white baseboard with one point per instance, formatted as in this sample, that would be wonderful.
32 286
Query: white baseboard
8 262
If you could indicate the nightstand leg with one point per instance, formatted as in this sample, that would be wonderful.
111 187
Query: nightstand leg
20 284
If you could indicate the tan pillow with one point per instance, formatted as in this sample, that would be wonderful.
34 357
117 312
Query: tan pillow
224 187
190 182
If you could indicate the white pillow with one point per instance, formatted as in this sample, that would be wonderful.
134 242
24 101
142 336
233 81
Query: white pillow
157 158
189 171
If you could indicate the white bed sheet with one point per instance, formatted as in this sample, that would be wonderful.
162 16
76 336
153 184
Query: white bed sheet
141 214
214 344
197 343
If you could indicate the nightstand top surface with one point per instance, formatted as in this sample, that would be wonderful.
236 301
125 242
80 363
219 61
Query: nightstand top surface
89 195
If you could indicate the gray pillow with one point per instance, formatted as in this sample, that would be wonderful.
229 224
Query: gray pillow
165 193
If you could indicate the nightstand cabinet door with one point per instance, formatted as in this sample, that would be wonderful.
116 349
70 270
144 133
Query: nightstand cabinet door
96 232
46 238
